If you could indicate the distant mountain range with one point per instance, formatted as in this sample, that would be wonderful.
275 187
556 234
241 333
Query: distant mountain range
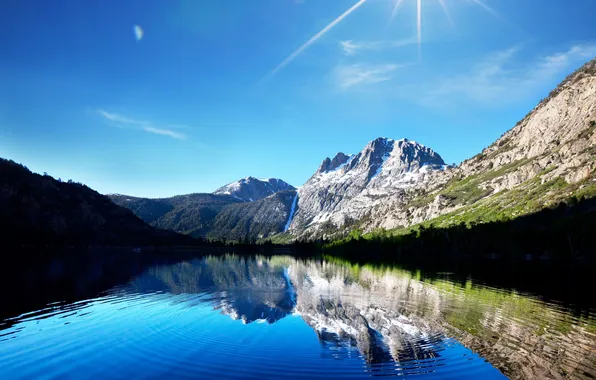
247 209
546 158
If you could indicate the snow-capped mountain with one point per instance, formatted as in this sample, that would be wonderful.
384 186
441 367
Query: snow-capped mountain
252 189
346 187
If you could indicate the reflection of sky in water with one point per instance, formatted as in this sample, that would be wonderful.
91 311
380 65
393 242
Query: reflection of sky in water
151 335
231 318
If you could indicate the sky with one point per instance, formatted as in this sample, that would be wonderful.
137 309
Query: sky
165 97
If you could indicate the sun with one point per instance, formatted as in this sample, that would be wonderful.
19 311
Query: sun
442 3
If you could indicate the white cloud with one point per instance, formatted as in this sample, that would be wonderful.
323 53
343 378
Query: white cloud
138 32
165 132
499 79
352 75
350 47
122 121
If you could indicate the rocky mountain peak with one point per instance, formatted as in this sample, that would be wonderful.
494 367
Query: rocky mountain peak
393 157
331 164
251 189
383 167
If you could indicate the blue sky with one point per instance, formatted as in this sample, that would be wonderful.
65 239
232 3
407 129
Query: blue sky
201 93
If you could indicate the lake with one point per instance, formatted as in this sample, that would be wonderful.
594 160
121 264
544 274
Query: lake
230 316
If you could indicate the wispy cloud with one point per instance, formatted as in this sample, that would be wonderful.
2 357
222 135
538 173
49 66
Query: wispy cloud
146 126
138 32
120 119
359 74
314 39
350 47
165 132
498 79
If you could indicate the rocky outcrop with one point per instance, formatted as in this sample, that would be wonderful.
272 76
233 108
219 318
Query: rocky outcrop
344 190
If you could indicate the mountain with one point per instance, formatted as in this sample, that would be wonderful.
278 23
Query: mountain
254 220
251 189
247 209
39 210
191 214
346 188
546 158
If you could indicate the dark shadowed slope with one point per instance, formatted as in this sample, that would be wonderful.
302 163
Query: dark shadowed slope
39 210
244 210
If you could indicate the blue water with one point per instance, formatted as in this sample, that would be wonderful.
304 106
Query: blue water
242 318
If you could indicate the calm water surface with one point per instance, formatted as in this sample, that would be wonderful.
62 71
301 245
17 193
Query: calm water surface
232 317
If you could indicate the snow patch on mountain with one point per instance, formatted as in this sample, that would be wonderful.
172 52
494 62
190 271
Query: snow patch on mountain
252 189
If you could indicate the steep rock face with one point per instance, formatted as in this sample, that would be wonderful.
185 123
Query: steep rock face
546 157
252 189
345 188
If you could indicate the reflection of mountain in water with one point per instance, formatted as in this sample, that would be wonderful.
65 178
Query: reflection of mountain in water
344 312
390 317
243 288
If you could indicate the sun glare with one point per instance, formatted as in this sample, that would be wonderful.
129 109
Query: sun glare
394 12
443 4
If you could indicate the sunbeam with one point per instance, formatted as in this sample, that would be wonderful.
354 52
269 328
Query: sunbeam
398 3
446 10
486 7
314 39
419 27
